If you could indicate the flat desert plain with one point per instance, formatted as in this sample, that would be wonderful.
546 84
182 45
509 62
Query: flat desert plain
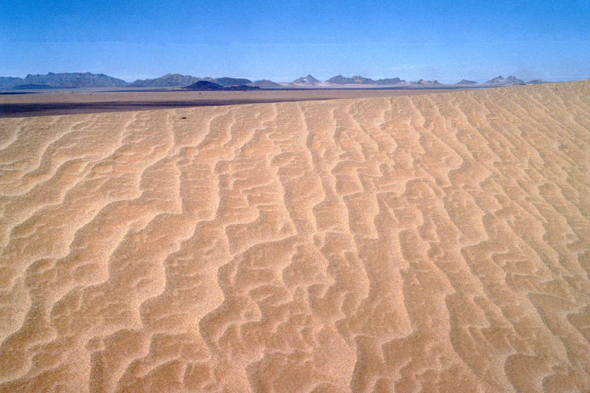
424 243
65 102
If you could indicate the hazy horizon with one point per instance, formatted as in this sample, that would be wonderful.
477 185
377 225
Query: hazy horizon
263 40
290 80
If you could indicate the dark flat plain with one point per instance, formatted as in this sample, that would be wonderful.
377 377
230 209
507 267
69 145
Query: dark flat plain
78 102
69 108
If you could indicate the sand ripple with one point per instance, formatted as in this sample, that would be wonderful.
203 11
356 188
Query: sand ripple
429 243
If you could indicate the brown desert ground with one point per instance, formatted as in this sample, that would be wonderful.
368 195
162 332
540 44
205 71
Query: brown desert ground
420 243
60 102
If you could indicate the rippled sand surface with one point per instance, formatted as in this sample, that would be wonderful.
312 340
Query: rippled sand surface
435 242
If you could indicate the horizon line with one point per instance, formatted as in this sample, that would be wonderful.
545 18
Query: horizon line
130 80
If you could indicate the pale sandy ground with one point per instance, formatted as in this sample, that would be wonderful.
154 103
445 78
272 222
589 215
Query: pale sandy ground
421 243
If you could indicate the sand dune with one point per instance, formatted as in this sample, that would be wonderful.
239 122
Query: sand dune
434 242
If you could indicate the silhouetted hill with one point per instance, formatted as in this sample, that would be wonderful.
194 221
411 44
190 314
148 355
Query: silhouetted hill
178 80
74 80
466 82
265 84
511 80
226 81
340 80
424 82
168 80
307 80
211 86
389 81
241 87
204 86
31 86
355 80
7 82
67 80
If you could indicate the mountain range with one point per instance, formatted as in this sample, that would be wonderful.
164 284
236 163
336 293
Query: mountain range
511 80
265 84
89 80
342 80
168 80
65 80
178 80
306 80
425 82
361 80
389 81
466 82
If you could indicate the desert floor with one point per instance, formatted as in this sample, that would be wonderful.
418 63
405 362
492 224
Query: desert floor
432 242
68 102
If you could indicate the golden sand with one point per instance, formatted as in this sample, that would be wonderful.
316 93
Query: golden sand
428 243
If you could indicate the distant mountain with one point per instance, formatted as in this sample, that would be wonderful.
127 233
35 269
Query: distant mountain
178 80
32 86
339 80
466 82
66 80
496 81
225 81
204 86
211 86
537 82
511 80
241 87
89 80
355 80
7 82
74 80
389 81
425 82
308 80
265 84
168 80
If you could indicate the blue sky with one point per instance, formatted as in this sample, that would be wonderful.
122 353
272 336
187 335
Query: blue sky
281 41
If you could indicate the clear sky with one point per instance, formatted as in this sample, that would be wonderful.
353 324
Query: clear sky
282 40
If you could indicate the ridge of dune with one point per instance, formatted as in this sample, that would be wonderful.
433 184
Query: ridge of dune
436 242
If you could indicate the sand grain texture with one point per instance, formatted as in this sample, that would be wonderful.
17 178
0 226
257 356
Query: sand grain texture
428 243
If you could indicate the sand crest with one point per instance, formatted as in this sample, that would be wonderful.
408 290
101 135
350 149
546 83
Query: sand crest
435 242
